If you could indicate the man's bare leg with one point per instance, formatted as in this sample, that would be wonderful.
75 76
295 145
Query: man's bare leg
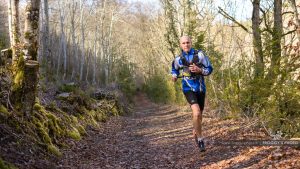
197 120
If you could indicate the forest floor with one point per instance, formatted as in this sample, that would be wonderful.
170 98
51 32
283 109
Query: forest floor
160 136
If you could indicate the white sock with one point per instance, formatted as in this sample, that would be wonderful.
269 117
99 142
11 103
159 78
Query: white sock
200 138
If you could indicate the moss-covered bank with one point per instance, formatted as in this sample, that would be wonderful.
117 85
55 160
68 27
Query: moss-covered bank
51 126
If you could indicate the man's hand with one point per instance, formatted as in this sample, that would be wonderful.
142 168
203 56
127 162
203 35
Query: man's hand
174 79
195 69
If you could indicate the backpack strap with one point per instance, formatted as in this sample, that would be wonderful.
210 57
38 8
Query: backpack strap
195 57
186 63
183 60
194 60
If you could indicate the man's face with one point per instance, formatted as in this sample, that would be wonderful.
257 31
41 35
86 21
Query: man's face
185 44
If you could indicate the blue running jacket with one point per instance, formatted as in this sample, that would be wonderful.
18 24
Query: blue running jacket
192 84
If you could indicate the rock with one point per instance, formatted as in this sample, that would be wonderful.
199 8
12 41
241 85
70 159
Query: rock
5 56
63 96
71 84
103 94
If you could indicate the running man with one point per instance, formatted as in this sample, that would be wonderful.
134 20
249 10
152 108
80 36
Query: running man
195 65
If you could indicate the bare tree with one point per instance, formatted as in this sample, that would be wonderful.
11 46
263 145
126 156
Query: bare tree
172 34
14 32
10 22
46 34
95 55
82 40
63 46
258 52
296 14
88 59
109 46
276 40
74 48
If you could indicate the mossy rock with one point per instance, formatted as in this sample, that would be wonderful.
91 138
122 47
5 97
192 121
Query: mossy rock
64 96
42 132
91 113
114 111
37 107
3 110
81 130
48 125
93 122
54 150
74 119
74 134
101 116
69 87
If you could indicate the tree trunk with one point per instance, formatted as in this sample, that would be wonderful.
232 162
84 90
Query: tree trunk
82 42
109 48
15 33
26 79
257 43
31 70
276 40
10 22
74 53
63 51
172 33
41 37
102 46
95 57
15 22
46 41
31 29
89 51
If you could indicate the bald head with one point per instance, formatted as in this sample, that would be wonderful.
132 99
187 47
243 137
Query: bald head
185 37
185 43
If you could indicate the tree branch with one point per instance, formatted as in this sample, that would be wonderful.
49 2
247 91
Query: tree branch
288 12
226 15
289 32
268 29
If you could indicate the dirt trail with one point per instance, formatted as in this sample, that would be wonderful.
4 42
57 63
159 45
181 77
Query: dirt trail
160 136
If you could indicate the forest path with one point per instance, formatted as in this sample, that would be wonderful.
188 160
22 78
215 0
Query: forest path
160 136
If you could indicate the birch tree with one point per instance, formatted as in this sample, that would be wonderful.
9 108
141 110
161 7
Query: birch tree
10 22
95 54
88 59
109 46
82 40
63 46
46 38
14 26
74 44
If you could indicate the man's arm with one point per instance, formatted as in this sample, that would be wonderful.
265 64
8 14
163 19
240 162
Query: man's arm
206 65
175 69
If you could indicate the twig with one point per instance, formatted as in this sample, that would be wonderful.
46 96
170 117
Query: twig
289 32
8 101
268 29
226 15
